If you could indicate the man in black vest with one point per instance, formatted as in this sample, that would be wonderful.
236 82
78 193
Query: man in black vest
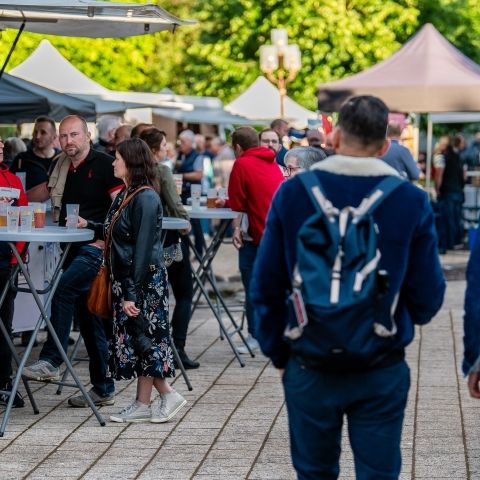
449 181
190 165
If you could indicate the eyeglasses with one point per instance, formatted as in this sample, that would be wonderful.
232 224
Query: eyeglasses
289 171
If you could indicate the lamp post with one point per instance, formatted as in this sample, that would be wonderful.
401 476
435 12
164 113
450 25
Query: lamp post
281 63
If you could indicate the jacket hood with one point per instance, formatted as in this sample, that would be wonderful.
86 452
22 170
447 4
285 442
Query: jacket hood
356 166
263 153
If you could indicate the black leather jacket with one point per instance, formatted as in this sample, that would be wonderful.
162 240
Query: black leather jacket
136 246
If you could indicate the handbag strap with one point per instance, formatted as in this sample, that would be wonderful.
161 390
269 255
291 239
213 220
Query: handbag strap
116 216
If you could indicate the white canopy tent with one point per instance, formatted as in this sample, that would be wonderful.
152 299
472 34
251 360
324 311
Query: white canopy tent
47 67
261 102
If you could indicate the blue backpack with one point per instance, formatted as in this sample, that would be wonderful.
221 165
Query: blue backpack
340 313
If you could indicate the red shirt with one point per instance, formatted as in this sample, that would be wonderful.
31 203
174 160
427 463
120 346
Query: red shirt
8 179
254 180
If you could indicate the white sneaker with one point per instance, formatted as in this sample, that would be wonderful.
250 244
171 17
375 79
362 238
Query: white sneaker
42 370
134 413
166 407
252 343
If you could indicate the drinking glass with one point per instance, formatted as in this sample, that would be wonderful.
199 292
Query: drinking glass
72 215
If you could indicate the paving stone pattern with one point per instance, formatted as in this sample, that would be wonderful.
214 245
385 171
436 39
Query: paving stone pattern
235 426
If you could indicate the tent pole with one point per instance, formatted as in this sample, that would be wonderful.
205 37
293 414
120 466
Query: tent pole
416 136
20 30
428 173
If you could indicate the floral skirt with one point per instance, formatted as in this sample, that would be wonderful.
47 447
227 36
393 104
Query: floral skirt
124 364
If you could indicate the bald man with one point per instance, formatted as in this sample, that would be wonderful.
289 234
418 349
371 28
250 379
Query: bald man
90 183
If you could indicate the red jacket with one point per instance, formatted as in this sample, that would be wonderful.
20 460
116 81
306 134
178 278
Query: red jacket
8 179
254 179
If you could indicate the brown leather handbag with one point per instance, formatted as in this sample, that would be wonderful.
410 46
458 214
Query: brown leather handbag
99 299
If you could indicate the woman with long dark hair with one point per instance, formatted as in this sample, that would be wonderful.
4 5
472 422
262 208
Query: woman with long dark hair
140 344
180 272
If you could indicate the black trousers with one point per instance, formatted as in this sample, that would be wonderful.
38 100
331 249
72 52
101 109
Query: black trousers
180 277
6 315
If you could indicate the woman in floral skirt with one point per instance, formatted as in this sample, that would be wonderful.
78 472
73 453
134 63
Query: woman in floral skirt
140 346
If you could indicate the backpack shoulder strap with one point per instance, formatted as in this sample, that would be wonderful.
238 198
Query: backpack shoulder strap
313 186
378 194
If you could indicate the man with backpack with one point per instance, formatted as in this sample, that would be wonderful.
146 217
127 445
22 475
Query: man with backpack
347 266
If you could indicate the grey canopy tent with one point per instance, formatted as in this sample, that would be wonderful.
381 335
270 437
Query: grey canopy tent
428 74
22 101
84 18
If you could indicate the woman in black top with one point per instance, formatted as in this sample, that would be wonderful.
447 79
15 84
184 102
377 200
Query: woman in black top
179 272
140 344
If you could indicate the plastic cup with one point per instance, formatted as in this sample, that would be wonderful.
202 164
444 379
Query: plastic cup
3 214
39 214
23 178
26 219
178 178
212 198
196 193
195 203
72 215
13 218
222 194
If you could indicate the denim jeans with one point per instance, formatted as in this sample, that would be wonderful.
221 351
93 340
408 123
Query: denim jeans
246 258
450 227
374 403
70 297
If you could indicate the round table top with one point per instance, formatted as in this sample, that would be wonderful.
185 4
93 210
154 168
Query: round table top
212 213
173 223
47 234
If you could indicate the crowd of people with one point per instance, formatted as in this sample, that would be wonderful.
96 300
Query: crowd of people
64 167
125 184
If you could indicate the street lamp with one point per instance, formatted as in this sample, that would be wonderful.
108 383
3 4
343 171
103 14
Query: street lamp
281 62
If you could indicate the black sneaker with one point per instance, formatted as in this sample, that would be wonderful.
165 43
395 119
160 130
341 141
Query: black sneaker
18 402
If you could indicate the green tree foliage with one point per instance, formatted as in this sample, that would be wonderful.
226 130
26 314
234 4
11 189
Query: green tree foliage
457 20
336 38
219 56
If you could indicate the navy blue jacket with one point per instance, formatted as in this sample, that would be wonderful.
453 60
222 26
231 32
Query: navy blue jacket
407 242
400 158
471 320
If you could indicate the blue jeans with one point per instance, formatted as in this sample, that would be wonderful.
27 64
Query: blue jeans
246 258
374 403
72 290
450 228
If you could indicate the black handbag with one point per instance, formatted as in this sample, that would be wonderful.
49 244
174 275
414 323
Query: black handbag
173 253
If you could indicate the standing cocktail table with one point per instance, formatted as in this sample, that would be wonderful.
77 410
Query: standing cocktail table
47 234
204 271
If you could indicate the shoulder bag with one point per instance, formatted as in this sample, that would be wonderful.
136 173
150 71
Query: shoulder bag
99 299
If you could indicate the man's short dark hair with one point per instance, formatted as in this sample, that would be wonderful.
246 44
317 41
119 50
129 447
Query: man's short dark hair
265 130
364 119
245 137
44 118
278 122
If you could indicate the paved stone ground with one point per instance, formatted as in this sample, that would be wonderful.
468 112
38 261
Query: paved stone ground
235 426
